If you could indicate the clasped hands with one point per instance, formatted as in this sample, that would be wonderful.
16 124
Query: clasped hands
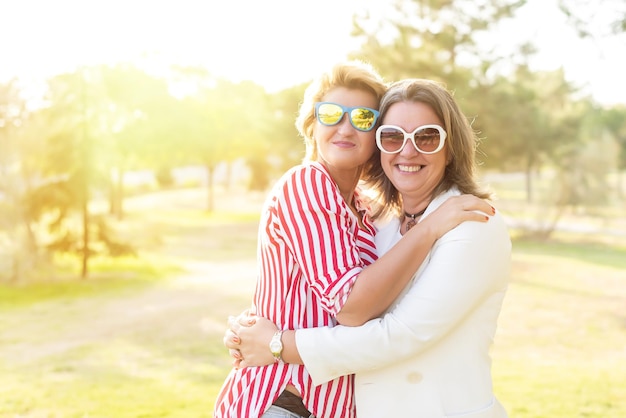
247 339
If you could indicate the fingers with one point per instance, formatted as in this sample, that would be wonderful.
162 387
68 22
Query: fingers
231 340
246 321
476 216
470 202
234 353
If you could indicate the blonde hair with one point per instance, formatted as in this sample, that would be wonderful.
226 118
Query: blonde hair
356 75
461 144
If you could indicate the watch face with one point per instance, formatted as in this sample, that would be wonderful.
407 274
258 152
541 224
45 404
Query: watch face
276 346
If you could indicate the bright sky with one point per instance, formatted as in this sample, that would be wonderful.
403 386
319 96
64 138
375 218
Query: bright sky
276 43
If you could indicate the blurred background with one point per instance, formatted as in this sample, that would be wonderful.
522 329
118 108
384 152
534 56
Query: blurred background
138 138
102 99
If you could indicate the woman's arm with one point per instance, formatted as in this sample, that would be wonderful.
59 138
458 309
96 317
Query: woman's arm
319 231
469 264
468 267
379 284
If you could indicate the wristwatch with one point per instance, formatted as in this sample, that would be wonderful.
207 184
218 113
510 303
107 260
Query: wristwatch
276 346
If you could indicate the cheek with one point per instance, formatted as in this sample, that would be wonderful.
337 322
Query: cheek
438 162
320 133
369 141
385 162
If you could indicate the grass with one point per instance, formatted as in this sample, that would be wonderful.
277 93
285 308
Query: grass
591 252
107 276
142 338
560 350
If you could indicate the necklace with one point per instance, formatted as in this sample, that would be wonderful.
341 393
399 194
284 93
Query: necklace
410 224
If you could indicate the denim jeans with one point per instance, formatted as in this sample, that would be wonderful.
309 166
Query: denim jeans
278 412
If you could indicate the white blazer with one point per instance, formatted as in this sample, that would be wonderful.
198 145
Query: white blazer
428 356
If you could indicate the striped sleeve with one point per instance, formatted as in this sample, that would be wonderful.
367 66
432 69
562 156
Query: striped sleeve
321 232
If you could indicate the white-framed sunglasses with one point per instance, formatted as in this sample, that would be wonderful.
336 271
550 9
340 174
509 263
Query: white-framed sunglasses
427 139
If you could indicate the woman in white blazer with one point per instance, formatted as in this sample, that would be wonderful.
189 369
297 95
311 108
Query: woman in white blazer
428 355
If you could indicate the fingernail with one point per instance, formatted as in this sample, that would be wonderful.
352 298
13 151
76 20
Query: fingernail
236 340
486 218
493 210
251 321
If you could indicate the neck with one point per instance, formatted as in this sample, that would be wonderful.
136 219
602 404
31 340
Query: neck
411 216
414 208
416 214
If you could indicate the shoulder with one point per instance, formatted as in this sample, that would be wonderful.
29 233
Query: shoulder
492 233
306 185
440 199
303 176
488 242
307 173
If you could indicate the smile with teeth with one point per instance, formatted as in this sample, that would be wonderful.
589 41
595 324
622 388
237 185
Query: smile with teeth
409 168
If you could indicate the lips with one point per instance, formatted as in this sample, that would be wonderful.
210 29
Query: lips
343 144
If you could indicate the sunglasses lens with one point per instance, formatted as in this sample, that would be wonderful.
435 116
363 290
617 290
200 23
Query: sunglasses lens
363 119
428 139
329 113
391 139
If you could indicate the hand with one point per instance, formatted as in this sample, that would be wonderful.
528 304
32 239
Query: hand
248 341
457 210
231 339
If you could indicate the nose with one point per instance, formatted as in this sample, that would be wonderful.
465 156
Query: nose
344 125
409 149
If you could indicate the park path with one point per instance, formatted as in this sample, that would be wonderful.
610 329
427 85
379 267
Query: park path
194 303
183 304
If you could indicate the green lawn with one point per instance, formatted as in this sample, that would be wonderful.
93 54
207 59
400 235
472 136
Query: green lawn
148 343
561 344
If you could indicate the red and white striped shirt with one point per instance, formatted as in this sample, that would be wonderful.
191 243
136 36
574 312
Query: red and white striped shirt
310 251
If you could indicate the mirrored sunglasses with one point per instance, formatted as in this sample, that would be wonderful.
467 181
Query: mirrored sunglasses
427 139
362 118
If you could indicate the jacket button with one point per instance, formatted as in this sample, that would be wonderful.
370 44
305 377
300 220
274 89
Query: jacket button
414 377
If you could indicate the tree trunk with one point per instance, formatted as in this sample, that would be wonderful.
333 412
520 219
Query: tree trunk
85 262
529 181
85 181
116 195
210 170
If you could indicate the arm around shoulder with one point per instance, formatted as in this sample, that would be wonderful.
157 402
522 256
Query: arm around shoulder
467 266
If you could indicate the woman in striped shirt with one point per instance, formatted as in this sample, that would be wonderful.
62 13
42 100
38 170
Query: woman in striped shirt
315 239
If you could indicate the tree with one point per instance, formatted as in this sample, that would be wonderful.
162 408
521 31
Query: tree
76 132
433 39
220 121
593 19
520 116
614 120
18 169
137 122
285 147
529 119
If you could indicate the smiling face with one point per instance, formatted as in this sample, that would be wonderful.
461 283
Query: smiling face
341 147
414 174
